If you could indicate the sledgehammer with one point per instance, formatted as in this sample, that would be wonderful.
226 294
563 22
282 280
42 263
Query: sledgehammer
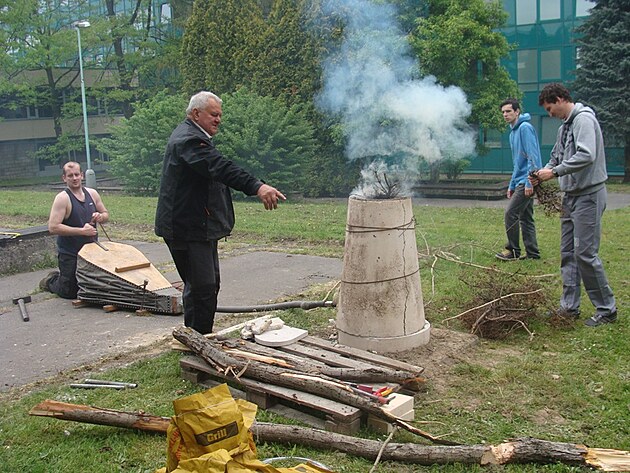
21 301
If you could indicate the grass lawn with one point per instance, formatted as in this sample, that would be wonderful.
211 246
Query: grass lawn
568 384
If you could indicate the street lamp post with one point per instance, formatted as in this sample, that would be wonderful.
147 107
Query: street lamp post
90 177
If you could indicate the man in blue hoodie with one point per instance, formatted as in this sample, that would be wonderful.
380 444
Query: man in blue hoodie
519 214
579 163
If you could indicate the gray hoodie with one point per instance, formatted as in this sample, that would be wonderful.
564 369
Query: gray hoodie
578 155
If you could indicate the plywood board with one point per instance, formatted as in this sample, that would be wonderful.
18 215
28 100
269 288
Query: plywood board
120 255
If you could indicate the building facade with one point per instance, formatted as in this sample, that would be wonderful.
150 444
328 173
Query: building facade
28 128
545 51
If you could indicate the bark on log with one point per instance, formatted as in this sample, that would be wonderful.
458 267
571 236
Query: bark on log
407 379
96 415
523 450
320 385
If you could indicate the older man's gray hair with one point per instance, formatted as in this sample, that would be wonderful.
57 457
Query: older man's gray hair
200 100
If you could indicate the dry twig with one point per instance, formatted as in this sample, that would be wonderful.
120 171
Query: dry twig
380 452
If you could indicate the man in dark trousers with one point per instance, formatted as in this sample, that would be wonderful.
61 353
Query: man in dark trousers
578 161
519 214
73 217
195 208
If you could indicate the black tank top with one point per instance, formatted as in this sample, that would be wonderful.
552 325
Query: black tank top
80 215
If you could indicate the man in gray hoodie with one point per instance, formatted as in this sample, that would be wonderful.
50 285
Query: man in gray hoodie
578 161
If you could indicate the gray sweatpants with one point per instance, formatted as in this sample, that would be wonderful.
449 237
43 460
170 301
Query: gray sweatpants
580 230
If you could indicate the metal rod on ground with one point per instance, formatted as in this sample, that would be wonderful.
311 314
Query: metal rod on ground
113 383
94 386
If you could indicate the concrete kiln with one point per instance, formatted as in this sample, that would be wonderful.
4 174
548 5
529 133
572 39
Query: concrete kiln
380 304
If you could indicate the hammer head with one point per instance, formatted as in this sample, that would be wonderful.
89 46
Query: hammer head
25 299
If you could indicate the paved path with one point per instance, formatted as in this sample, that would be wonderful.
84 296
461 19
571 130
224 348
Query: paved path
59 337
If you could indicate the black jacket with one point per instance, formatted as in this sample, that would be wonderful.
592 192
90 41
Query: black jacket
194 203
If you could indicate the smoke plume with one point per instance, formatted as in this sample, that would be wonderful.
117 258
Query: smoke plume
392 118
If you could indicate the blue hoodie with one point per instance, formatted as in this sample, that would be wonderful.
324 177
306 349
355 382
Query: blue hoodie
525 151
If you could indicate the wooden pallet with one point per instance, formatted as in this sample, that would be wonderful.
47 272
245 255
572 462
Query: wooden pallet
310 351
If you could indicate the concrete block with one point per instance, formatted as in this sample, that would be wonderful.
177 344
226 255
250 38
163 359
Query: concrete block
382 426
399 405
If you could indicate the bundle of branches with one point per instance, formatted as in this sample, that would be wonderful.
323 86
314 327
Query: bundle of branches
502 305
385 187
549 197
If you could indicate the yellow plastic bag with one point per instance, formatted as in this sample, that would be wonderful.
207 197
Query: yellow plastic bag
207 422
210 433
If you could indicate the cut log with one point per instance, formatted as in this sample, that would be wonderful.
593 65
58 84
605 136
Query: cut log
321 385
522 450
369 374
97 415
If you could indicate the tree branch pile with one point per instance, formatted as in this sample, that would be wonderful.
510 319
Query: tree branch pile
502 304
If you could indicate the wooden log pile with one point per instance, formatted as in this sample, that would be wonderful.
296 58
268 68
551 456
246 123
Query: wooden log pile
315 382
522 450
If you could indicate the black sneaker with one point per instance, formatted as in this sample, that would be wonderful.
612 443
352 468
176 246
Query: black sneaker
43 284
601 319
507 255
530 257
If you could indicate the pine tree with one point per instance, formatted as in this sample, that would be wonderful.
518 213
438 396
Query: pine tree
221 44
604 70
288 65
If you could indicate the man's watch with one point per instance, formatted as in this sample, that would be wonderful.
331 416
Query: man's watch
554 172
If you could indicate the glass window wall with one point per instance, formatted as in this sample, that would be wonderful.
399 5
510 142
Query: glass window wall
526 12
549 131
550 65
549 10
527 60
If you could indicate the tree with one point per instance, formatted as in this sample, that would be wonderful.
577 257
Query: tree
40 62
38 38
604 69
271 140
220 45
136 147
458 44
288 63
139 45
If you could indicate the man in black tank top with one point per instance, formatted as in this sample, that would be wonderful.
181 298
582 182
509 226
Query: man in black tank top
73 217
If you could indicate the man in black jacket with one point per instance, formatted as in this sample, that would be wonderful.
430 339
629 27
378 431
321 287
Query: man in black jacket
195 206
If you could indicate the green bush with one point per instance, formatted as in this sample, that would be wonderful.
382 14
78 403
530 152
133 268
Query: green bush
271 140
136 147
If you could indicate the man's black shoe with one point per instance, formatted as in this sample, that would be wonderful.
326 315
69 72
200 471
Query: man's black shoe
43 284
507 255
530 257
601 319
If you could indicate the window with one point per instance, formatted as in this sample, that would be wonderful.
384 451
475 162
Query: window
527 64
165 13
526 12
582 7
549 131
492 138
549 10
550 64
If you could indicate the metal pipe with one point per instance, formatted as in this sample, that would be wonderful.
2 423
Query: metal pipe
306 305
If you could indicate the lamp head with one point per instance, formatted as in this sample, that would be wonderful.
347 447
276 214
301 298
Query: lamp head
81 24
